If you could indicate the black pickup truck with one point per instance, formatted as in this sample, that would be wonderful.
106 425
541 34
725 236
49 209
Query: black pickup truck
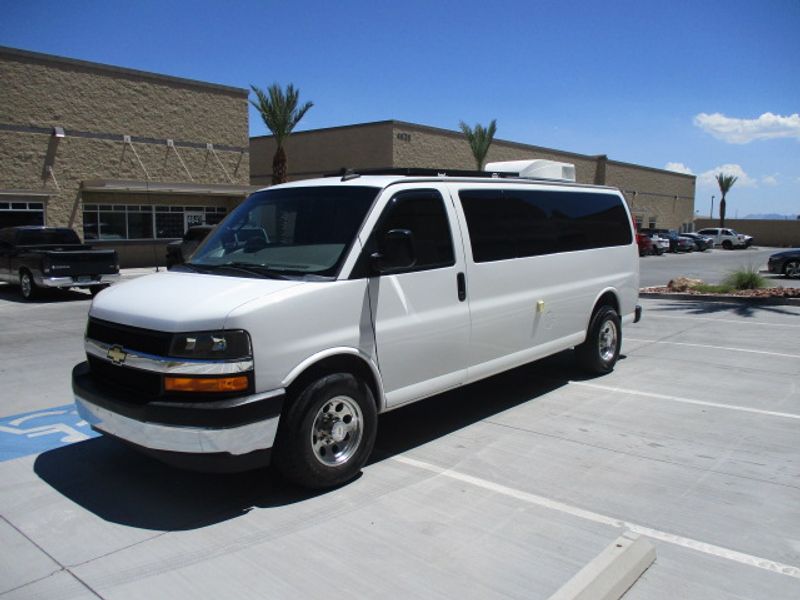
36 257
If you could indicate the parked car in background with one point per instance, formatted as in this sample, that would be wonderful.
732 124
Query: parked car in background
661 244
677 243
785 263
36 257
727 238
179 250
701 242
645 244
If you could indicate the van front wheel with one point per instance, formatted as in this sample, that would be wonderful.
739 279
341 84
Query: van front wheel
327 433
599 353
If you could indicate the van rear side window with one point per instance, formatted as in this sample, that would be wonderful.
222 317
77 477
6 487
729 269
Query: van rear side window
512 223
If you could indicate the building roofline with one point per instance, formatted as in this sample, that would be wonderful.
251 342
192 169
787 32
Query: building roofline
51 59
453 133
334 128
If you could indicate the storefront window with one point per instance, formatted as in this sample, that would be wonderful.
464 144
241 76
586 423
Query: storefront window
145 222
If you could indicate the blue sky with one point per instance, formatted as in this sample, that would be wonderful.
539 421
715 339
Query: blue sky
697 86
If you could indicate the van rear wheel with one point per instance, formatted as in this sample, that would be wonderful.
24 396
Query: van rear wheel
327 432
599 353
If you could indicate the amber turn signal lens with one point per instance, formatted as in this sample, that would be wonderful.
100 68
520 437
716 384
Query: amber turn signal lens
205 384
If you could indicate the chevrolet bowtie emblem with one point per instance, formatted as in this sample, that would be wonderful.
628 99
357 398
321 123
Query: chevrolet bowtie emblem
117 355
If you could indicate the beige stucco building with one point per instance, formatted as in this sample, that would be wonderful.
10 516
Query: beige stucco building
657 198
127 158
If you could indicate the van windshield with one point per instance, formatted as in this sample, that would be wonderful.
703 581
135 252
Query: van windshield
287 232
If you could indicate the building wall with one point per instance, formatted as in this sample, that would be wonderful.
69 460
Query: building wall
97 105
314 153
782 234
658 198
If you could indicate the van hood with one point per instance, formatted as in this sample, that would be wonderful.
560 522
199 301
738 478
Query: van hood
174 302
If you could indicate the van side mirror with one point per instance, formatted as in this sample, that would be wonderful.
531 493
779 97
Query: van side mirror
396 252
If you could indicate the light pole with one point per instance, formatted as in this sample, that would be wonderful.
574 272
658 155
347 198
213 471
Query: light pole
711 214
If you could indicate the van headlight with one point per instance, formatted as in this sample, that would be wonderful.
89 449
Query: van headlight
211 345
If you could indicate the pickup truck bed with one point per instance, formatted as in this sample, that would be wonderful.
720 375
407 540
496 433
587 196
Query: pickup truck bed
41 257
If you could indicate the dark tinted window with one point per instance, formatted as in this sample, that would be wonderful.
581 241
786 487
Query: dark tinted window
512 223
422 212
32 237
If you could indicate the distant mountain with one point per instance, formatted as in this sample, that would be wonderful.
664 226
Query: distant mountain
772 216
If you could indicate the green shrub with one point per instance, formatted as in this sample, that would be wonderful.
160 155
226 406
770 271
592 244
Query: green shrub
746 278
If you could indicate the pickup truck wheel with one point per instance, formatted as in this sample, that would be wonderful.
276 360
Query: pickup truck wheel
327 432
27 286
599 353
792 268
727 244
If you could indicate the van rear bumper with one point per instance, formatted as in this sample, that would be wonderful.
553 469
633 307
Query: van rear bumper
234 427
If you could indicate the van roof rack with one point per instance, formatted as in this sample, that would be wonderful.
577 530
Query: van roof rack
539 169
347 173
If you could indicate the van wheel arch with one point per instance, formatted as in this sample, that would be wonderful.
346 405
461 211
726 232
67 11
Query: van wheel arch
341 363
592 355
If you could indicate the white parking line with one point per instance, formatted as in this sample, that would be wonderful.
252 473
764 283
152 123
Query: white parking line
713 347
650 315
711 549
747 409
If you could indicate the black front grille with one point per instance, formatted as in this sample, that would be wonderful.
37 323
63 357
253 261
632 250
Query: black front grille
131 338
146 383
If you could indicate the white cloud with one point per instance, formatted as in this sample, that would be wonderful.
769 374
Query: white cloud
744 131
708 179
678 168
770 180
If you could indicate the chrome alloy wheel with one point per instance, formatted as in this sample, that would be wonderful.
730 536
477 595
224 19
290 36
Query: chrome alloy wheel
337 431
792 268
607 340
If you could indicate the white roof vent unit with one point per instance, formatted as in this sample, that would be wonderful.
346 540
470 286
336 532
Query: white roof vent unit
535 169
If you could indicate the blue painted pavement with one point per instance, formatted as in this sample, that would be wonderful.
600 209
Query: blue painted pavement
37 432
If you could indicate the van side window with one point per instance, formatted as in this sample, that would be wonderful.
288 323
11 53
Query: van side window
514 223
422 212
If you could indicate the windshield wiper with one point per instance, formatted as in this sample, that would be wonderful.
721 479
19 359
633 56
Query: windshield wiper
244 267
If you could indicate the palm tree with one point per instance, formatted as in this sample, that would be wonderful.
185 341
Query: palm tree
725 184
479 140
281 114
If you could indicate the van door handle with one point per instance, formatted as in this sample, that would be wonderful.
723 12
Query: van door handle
462 287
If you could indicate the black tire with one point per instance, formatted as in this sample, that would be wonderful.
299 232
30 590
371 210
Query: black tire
310 447
27 285
792 268
727 245
96 289
599 353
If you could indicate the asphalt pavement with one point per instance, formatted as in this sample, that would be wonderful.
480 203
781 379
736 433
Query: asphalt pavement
712 266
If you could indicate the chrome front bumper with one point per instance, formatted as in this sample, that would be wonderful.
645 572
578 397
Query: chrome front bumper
66 282
172 438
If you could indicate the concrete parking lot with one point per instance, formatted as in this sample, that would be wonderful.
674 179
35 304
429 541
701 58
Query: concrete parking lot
503 489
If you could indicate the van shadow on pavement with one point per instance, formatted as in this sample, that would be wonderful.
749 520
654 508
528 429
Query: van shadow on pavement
122 486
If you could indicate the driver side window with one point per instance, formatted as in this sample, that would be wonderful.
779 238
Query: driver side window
421 212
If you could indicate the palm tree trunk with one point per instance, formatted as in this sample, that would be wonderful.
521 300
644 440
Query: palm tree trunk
279 167
722 212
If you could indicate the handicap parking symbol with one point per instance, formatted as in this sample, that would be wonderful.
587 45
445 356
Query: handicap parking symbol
37 432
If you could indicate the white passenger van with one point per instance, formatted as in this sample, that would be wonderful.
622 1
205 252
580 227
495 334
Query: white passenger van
318 304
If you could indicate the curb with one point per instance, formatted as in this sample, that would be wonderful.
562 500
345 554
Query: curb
769 301
612 572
